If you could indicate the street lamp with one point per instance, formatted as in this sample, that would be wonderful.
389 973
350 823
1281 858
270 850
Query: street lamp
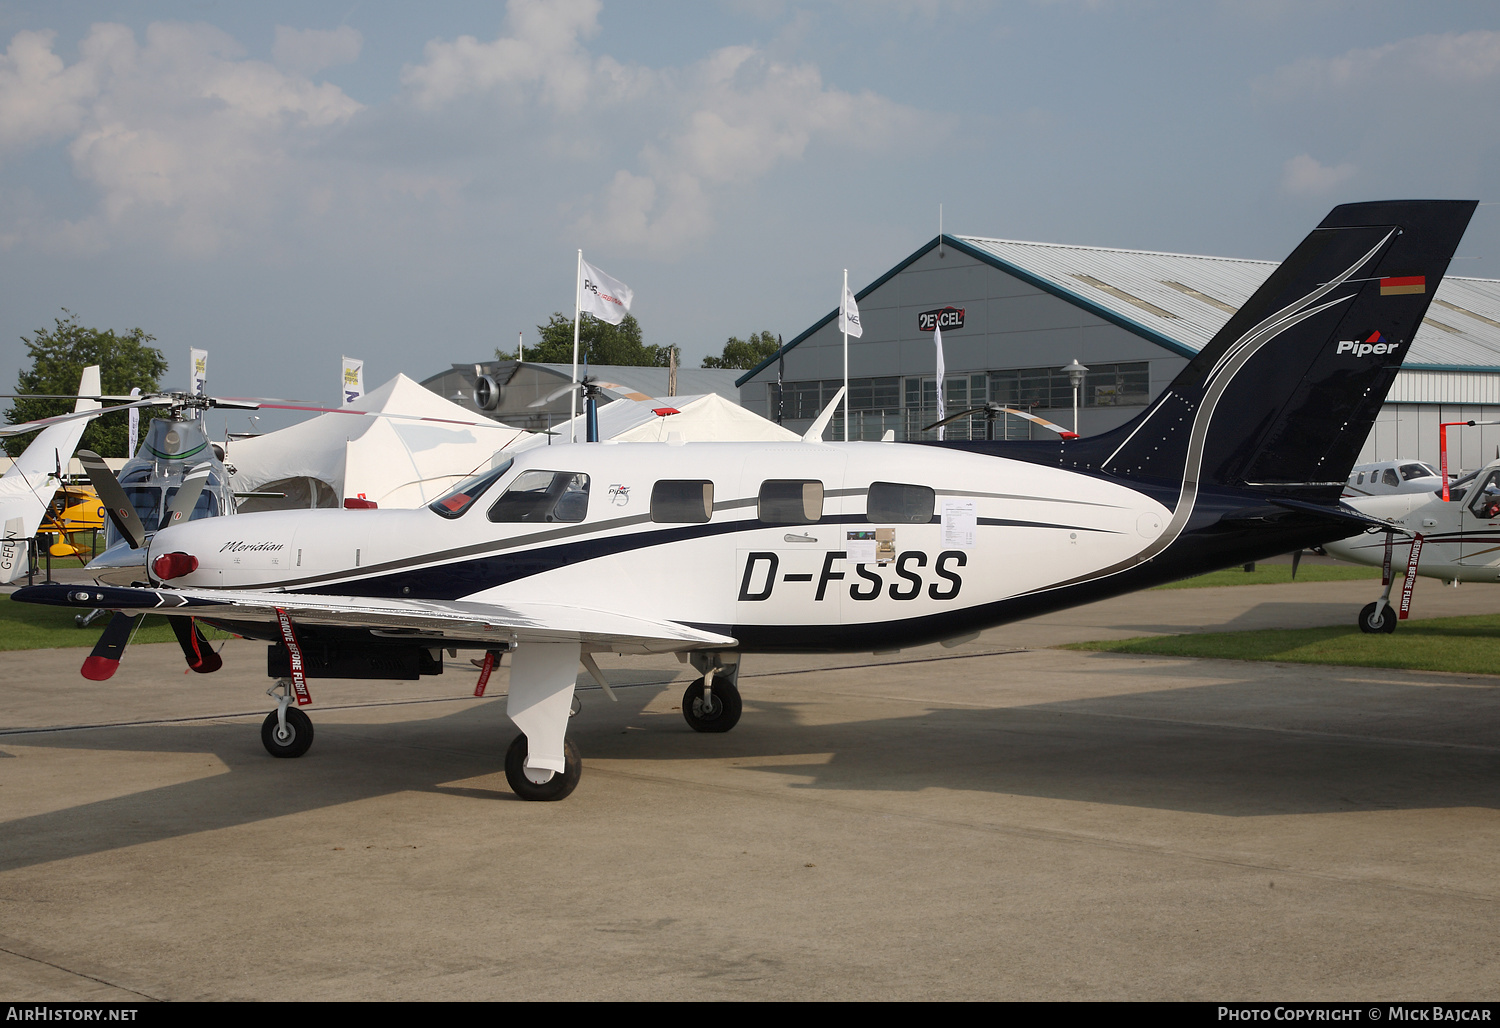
1075 372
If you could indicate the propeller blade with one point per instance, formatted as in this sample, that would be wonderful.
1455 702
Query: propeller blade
195 646
1296 560
954 417
181 507
112 495
105 660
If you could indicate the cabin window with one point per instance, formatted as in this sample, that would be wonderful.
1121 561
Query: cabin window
462 496
1388 477
543 496
785 502
892 503
1361 479
682 503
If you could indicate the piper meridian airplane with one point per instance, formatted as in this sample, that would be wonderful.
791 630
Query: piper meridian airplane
716 550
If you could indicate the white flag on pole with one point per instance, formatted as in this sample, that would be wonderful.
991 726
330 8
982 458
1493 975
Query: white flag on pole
849 315
937 339
607 299
354 380
198 359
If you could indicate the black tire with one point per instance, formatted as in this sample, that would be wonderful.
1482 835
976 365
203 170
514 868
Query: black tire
560 786
298 725
1371 625
723 711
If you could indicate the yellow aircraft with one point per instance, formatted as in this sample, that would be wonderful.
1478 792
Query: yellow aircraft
74 516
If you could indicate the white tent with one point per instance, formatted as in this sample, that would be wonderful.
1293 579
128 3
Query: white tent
395 461
694 419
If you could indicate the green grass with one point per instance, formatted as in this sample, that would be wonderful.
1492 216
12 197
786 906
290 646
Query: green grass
1470 645
1277 574
31 626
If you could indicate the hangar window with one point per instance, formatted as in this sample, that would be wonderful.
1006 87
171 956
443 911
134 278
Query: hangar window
1105 385
462 496
784 502
891 503
543 496
682 503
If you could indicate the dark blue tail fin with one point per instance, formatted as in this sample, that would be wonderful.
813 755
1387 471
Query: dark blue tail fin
1281 399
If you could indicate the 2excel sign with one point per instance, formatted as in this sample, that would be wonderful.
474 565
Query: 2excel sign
945 318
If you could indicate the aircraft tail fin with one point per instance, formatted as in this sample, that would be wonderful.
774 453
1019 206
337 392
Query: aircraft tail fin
1281 399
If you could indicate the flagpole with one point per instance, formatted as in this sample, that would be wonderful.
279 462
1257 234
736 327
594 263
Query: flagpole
577 316
845 320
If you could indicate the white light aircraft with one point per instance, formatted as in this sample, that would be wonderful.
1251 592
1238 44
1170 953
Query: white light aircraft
27 488
718 550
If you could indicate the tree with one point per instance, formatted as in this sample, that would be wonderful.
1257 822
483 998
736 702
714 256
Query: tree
58 358
744 353
599 341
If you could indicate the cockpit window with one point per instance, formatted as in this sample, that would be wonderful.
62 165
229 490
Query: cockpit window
542 496
1486 501
146 499
462 496
1388 477
1411 471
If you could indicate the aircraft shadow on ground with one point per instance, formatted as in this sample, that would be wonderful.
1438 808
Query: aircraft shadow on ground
1126 749
1262 615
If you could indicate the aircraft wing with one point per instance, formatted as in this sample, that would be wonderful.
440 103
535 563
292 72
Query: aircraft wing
458 621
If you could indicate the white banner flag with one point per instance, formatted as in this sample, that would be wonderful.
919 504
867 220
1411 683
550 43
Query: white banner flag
135 424
198 360
849 316
354 380
937 339
607 299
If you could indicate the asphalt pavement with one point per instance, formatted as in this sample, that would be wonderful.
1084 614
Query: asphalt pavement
999 820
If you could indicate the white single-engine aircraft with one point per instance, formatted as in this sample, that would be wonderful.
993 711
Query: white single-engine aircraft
27 488
715 550
1460 538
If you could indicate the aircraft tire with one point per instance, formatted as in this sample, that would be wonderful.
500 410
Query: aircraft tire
723 714
298 724
1370 625
558 787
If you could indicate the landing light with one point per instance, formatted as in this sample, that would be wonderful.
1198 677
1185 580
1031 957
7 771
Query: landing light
174 565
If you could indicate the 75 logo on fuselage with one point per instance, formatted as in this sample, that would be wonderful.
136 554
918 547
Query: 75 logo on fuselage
909 576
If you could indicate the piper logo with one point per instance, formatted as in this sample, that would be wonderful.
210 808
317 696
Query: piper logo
1376 343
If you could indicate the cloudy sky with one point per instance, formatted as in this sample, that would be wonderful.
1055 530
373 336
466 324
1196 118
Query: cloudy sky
282 183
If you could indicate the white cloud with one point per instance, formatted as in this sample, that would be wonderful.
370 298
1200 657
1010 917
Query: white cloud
308 51
1450 59
40 98
182 129
1304 176
543 50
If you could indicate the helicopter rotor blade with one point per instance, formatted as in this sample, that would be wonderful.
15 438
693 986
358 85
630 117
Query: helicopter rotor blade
954 417
112 495
181 507
57 419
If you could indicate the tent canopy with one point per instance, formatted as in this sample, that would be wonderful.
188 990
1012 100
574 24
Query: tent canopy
397 462
705 418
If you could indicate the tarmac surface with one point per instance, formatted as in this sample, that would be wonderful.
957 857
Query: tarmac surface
995 821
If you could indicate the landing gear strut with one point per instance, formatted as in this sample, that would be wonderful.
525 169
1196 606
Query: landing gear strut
286 732
712 703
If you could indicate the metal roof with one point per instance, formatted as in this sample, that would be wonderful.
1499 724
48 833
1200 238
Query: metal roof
1188 297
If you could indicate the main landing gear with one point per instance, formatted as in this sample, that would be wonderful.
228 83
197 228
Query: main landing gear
712 703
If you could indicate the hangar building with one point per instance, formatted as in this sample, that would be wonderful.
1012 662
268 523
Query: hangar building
1015 313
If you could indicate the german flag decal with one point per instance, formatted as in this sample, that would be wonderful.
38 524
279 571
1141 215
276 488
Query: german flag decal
1401 286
